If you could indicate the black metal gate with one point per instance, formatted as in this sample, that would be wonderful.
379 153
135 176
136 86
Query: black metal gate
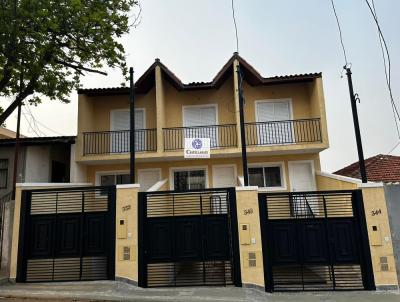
315 241
188 238
67 235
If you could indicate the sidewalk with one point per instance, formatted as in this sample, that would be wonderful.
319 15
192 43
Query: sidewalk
117 291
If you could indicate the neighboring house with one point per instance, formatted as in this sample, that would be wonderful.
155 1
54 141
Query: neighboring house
285 126
41 159
379 168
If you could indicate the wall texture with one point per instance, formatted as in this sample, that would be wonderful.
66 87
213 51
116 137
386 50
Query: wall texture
127 233
392 195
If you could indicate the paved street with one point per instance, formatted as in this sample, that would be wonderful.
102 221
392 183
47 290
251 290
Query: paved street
117 291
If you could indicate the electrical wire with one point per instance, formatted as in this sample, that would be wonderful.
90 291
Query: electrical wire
395 146
340 34
34 123
234 22
387 66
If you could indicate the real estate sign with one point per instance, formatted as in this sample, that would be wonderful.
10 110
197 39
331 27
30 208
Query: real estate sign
197 147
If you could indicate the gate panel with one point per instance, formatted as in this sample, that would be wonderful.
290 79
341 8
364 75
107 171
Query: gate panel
315 241
188 238
70 235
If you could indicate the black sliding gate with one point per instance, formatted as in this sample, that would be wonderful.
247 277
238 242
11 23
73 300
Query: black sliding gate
67 235
315 241
188 238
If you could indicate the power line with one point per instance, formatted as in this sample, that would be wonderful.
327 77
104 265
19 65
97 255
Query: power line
386 68
340 33
34 123
395 146
234 22
41 124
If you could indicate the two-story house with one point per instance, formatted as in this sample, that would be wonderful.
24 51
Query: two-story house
285 127
189 226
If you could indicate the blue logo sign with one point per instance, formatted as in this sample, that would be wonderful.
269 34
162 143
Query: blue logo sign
197 143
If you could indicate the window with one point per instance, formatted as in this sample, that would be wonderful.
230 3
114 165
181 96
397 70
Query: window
3 173
189 180
111 179
269 131
120 124
266 176
114 179
194 116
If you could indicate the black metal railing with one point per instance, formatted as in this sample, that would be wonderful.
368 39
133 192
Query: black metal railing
283 132
221 136
118 141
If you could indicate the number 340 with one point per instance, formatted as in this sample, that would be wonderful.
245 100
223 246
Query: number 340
248 211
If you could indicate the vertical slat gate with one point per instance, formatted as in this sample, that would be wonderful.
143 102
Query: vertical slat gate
67 235
188 238
315 241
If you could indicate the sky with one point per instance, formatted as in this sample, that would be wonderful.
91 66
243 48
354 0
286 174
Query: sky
195 38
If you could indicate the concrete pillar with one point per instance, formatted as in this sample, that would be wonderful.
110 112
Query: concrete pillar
126 242
160 112
379 234
250 240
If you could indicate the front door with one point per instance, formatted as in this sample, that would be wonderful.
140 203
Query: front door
302 179
224 176
148 178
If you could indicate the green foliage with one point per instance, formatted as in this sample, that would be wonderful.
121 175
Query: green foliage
56 42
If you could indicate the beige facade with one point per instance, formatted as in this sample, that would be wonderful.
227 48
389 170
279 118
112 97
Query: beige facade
164 100
299 134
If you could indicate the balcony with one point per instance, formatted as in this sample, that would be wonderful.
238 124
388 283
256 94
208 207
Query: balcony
283 132
221 136
113 142
263 134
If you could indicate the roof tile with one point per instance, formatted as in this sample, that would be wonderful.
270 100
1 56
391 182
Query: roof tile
380 168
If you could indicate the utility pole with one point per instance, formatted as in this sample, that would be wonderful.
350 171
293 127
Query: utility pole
242 129
132 125
16 150
353 100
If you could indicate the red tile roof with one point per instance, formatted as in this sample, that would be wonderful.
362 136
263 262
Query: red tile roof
380 168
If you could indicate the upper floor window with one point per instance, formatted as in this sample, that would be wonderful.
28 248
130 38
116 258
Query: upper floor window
274 123
3 173
201 121
120 126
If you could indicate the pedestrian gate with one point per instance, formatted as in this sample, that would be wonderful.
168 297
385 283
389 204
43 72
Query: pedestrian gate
315 241
67 234
188 238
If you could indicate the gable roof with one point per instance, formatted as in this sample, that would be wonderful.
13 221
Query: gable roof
380 168
147 81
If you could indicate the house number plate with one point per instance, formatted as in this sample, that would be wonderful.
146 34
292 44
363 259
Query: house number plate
248 211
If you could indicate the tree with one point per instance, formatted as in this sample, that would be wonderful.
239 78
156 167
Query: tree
47 45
